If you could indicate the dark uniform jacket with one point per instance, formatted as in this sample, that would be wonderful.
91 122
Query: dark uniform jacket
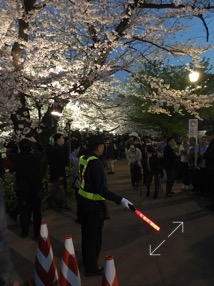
95 180
28 172
57 162
169 158
153 165
209 158
111 152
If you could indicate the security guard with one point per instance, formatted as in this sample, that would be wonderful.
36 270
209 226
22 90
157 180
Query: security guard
92 194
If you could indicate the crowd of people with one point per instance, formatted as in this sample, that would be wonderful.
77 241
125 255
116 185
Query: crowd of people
166 160
150 162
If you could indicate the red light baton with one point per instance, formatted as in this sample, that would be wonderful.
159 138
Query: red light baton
142 216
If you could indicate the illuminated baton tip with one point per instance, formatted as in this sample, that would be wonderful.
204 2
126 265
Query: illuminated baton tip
146 219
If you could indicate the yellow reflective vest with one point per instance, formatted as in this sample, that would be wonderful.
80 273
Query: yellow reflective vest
83 163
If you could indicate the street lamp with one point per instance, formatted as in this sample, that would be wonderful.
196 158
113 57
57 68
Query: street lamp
68 130
56 113
194 76
193 123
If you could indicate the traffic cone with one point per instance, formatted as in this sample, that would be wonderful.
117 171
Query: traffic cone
69 275
109 276
45 273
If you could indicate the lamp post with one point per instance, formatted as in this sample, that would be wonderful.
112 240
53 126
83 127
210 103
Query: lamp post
68 129
193 123
56 114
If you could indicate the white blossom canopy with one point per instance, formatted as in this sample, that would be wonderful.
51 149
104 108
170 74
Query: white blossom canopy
69 50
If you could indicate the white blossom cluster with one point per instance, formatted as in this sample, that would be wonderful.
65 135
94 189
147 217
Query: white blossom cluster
164 96
70 49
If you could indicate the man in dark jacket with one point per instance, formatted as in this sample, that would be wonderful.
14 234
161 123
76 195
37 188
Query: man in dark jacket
169 161
152 169
57 163
209 166
92 194
29 184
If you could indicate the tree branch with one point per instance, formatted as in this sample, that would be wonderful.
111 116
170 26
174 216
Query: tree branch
200 16
160 47
146 5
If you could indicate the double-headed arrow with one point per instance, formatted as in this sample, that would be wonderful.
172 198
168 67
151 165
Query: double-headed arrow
150 248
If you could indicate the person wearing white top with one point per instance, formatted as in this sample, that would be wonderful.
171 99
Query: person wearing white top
134 157
183 150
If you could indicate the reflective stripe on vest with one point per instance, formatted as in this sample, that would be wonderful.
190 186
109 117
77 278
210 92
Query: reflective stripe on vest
82 192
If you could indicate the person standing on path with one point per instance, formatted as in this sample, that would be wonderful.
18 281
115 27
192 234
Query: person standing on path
92 195
78 151
111 155
152 170
201 148
209 167
191 156
183 151
57 162
169 162
29 184
134 157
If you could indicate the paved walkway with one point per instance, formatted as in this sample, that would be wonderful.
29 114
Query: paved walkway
185 258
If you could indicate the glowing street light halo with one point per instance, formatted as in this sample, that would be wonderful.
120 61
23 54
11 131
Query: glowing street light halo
194 76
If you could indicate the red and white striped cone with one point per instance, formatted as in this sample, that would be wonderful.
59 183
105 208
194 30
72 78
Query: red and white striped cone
69 275
109 276
45 273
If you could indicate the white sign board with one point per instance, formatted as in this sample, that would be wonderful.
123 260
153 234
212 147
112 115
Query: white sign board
193 128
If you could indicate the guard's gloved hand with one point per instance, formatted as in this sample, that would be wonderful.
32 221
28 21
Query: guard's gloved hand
125 203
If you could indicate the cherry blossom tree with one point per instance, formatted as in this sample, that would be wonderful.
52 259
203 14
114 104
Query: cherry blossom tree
65 52
165 115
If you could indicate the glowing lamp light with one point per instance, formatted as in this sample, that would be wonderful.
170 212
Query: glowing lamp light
194 76
56 113
146 219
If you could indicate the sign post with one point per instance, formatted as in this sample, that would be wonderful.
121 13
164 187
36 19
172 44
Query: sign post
193 129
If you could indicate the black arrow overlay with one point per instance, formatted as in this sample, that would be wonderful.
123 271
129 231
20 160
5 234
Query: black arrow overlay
181 223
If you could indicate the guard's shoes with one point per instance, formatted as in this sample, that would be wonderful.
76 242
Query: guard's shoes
97 272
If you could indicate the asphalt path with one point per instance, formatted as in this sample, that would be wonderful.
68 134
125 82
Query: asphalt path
180 254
